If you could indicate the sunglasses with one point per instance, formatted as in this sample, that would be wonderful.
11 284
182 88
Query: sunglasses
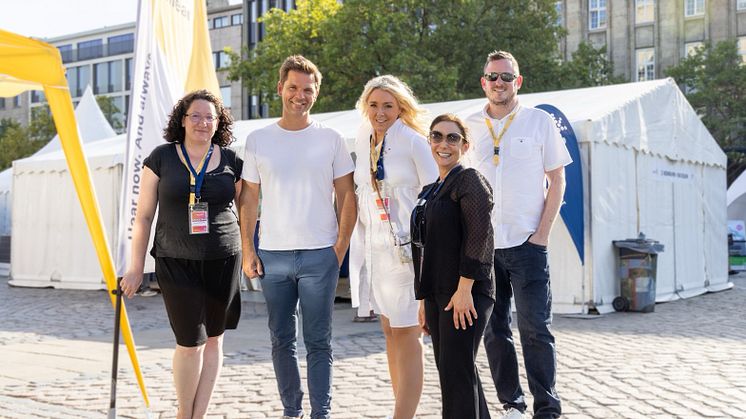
506 77
437 137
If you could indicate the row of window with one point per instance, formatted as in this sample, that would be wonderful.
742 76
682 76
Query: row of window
95 48
644 11
15 102
645 58
225 21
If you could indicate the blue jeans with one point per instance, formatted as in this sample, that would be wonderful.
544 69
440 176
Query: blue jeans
523 271
308 276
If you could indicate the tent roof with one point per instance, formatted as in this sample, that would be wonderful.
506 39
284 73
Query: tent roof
92 123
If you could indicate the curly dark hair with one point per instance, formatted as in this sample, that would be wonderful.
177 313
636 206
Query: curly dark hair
174 131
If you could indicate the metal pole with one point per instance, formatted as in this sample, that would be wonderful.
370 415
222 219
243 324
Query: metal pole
115 354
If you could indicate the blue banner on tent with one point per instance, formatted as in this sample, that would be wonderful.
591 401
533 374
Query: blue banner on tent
572 210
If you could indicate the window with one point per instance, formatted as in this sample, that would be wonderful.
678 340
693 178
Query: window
645 64
121 44
558 9
236 20
742 48
221 59
597 14
2 103
741 5
90 49
694 7
690 48
66 51
225 93
220 22
17 101
644 11
37 96
78 78
107 77
128 74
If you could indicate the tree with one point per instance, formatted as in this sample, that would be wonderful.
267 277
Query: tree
589 67
111 112
437 47
16 142
714 81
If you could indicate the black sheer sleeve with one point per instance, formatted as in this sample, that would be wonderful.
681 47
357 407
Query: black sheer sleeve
474 196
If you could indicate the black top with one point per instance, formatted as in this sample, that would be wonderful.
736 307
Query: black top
172 238
459 236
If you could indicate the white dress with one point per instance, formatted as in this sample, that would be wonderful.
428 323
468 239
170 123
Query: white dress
379 281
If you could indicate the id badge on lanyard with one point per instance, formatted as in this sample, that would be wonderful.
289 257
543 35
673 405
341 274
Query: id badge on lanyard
382 206
199 217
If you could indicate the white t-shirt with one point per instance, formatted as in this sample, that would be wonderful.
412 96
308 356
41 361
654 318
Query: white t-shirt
530 147
296 170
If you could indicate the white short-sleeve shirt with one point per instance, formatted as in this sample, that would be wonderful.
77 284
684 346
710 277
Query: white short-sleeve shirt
530 147
296 170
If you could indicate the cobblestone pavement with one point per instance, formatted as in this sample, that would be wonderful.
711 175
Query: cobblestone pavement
685 360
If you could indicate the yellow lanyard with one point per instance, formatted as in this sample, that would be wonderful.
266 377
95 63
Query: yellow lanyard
192 180
496 138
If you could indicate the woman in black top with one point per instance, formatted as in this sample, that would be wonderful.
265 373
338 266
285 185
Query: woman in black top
453 250
193 181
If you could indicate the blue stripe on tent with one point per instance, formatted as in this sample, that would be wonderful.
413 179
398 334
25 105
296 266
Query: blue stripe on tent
572 210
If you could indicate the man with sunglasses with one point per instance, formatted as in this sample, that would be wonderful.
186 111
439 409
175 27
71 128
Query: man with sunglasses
519 150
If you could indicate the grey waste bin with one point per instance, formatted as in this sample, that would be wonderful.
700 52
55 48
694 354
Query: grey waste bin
637 265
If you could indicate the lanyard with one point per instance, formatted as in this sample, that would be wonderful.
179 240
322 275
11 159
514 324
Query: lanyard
196 180
496 138
377 157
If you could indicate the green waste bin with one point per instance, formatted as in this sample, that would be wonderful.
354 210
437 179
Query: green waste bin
637 271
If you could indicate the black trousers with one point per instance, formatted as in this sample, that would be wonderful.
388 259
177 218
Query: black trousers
455 354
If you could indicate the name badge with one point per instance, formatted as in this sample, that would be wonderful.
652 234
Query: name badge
199 220
382 205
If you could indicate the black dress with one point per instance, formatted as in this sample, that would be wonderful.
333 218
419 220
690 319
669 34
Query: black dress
458 241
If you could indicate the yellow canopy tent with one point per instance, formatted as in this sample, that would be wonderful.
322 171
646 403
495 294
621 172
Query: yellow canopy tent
28 64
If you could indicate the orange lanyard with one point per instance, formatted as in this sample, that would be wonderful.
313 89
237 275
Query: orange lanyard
496 138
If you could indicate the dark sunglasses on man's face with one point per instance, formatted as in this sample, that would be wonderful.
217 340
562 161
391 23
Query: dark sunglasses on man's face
506 77
437 137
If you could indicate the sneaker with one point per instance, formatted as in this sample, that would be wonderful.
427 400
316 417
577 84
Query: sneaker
512 413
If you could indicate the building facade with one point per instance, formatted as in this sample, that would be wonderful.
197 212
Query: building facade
644 37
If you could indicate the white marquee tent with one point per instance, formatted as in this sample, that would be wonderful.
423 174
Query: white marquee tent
92 126
648 165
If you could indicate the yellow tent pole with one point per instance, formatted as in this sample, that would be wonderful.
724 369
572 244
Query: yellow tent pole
64 119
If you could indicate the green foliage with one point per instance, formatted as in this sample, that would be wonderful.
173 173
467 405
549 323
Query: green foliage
18 142
437 47
111 112
714 81
589 67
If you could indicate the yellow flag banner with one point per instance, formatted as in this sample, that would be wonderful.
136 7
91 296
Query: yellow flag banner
33 64
172 57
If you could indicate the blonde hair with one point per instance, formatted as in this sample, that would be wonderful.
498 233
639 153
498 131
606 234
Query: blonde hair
412 114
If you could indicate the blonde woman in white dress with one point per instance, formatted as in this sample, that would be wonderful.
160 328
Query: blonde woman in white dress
393 163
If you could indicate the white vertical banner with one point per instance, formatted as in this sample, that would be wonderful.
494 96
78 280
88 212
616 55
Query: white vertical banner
172 57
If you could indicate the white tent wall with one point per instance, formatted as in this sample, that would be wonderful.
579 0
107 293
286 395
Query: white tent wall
51 228
715 230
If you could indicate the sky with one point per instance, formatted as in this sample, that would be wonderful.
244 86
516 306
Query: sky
52 18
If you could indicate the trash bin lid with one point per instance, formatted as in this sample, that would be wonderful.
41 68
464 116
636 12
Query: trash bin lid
640 245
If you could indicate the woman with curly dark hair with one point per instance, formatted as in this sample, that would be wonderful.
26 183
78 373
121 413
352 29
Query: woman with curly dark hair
194 181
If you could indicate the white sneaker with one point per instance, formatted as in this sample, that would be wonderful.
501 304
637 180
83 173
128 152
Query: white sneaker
512 413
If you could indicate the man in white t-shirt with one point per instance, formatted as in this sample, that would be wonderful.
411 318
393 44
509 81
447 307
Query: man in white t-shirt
299 165
519 150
